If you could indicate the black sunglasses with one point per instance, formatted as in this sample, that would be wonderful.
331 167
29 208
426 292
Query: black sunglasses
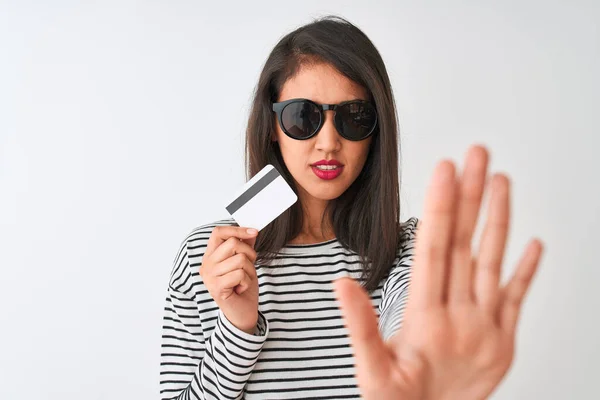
302 119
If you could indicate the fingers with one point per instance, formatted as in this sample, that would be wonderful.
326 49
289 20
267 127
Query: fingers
514 292
370 352
221 234
493 243
231 247
250 242
469 196
433 238
225 284
217 274
239 261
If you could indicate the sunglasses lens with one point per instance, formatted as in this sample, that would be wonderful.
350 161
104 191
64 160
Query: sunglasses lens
356 120
300 119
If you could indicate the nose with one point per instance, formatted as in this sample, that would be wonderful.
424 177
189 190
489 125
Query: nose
328 138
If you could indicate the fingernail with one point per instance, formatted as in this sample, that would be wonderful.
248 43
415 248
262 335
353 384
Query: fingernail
252 231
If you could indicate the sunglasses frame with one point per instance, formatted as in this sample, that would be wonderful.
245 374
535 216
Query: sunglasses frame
280 106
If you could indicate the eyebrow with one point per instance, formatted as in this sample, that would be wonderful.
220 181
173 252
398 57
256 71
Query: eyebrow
318 102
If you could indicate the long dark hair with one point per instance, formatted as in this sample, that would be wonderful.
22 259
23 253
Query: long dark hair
365 217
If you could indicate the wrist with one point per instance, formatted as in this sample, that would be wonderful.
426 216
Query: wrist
245 327
448 396
249 329
252 331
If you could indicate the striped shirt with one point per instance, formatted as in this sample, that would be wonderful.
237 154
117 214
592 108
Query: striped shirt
301 349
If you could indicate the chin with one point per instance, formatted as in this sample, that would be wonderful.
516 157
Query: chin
326 194
323 190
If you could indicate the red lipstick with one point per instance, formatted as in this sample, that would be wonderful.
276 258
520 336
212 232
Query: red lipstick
328 173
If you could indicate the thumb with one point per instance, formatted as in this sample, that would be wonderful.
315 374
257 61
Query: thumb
371 354
251 241
250 238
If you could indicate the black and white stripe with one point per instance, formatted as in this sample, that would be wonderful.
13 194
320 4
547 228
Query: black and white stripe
301 351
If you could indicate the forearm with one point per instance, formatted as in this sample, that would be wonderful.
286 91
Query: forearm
195 368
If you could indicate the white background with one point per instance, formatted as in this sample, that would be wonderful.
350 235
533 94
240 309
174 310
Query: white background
122 127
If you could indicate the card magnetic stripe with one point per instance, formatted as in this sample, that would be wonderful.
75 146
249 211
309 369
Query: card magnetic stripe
252 191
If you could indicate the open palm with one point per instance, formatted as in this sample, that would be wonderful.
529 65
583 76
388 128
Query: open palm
457 338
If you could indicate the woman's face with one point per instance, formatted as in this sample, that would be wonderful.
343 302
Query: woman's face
322 84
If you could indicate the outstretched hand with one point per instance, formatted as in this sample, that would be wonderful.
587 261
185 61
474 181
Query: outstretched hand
458 333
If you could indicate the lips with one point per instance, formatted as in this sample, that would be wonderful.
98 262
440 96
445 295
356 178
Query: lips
328 162
328 174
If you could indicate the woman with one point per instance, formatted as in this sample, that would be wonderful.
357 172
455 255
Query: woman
257 316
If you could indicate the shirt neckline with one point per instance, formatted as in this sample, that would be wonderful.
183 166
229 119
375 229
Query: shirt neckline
309 248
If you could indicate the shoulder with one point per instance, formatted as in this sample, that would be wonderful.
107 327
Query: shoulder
409 227
197 239
400 272
190 253
201 233
406 246
408 234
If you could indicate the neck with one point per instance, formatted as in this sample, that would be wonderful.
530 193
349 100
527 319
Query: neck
311 231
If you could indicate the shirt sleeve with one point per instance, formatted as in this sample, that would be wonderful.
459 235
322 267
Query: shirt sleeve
193 367
394 294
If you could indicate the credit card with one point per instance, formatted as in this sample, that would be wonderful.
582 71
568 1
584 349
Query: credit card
262 199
